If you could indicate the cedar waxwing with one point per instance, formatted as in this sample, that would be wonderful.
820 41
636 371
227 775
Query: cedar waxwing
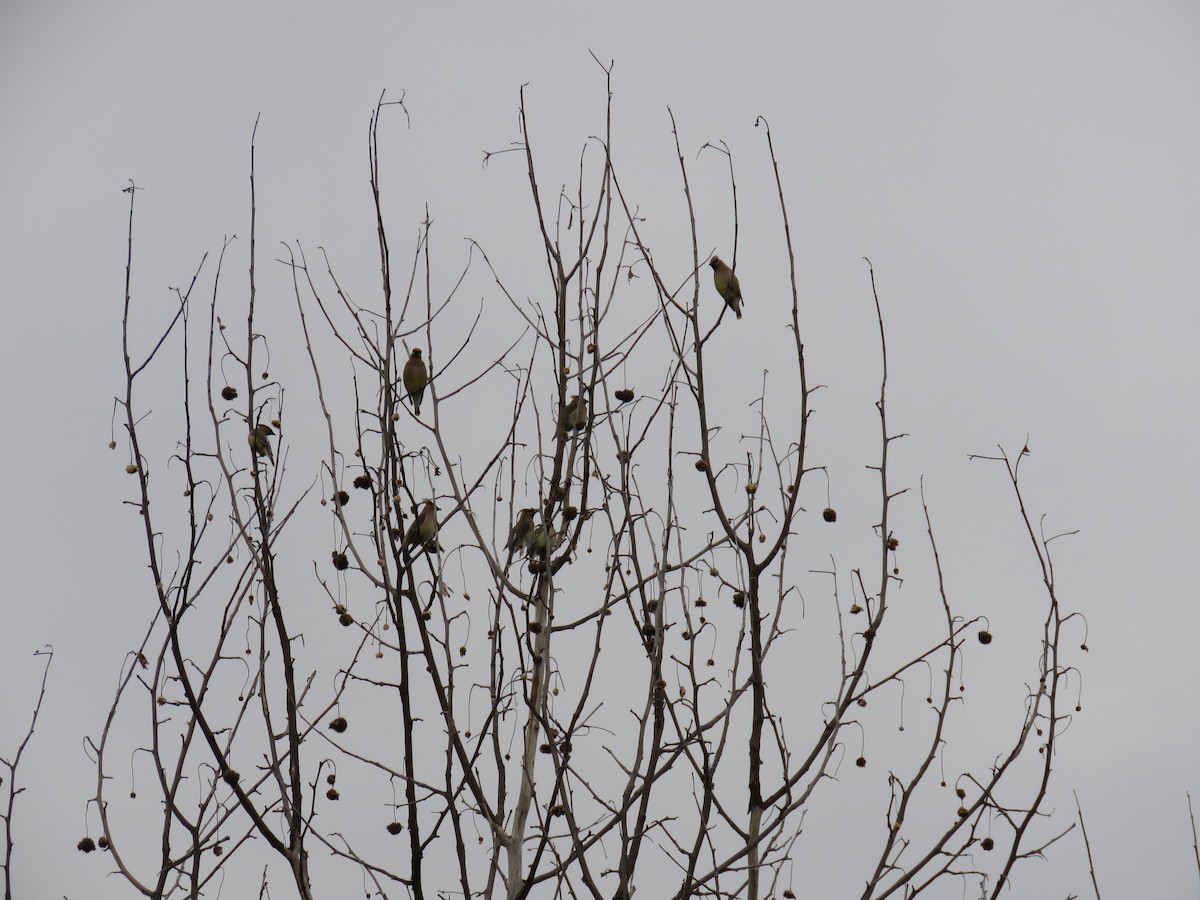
416 376
518 537
574 415
727 285
257 439
539 545
424 530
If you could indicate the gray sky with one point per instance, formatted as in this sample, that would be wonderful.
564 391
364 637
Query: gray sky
1023 176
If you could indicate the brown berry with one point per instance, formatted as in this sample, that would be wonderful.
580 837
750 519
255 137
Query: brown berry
339 725
363 482
624 395
985 637
87 845
830 514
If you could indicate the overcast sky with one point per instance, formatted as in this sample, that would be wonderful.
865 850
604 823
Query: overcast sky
1024 177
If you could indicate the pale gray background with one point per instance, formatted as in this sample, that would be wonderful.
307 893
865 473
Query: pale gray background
1023 175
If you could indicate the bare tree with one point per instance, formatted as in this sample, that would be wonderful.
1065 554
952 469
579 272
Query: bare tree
570 607
11 787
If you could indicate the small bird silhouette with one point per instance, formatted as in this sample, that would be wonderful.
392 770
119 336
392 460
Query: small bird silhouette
727 285
574 415
257 439
424 530
518 536
416 376
540 542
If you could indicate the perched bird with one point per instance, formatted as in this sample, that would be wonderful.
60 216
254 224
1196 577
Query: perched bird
257 439
540 542
518 537
416 376
574 415
727 285
424 530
